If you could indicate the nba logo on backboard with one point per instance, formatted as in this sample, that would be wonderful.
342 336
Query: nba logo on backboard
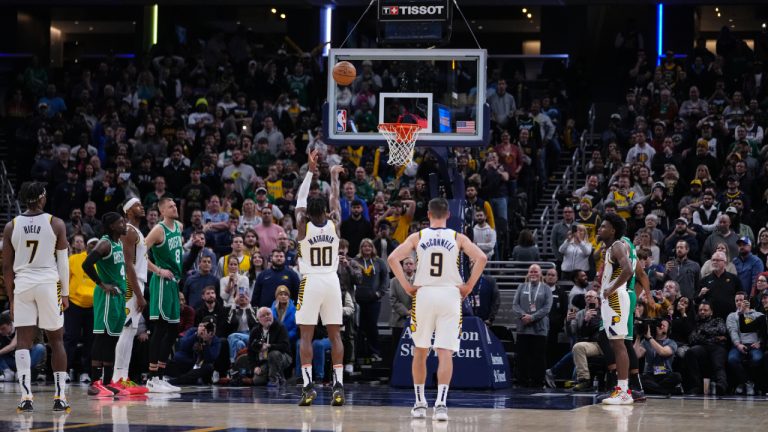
341 120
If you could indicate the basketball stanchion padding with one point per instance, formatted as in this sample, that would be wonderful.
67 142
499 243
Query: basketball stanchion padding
401 138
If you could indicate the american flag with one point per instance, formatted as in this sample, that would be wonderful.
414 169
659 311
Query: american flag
465 127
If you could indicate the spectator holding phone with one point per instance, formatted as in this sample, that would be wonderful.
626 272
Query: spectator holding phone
230 287
575 250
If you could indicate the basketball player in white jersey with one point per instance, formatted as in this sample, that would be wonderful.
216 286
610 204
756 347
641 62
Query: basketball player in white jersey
615 308
135 252
35 258
319 291
438 290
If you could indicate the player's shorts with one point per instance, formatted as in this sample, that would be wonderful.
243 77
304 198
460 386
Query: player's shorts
319 296
108 312
38 305
164 299
615 313
631 320
436 310
131 312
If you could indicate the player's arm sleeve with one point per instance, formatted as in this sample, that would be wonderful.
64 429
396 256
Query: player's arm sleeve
62 262
89 266
301 198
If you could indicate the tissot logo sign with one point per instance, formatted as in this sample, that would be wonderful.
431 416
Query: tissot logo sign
413 12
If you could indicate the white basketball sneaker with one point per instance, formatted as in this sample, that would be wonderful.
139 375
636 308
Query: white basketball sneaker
419 410
170 387
618 397
440 413
157 385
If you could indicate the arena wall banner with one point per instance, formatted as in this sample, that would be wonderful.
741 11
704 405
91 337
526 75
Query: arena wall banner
480 363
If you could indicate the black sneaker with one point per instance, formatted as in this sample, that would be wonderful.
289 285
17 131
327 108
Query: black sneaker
583 386
637 395
338 395
308 394
61 405
25 406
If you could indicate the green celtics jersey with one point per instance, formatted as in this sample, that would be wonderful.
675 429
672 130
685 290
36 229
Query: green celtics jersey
632 263
168 254
111 268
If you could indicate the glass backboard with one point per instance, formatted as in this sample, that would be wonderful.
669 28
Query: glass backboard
441 90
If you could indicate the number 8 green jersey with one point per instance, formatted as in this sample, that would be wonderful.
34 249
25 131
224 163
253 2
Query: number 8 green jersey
167 255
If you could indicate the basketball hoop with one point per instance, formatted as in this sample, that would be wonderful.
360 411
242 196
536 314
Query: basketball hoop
401 138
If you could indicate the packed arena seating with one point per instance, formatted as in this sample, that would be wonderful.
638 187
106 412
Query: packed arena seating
683 158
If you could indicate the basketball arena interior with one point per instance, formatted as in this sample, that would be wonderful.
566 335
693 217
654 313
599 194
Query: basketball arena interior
184 183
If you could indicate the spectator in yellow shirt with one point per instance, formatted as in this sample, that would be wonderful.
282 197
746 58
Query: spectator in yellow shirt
400 215
78 318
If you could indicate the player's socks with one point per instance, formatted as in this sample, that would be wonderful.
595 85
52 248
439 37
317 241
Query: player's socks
97 373
24 373
419 389
60 385
306 374
123 351
119 373
623 385
108 372
338 374
442 394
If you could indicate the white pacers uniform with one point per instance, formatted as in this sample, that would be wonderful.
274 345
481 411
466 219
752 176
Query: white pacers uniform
319 290
140 266
614 310
37 297
437 306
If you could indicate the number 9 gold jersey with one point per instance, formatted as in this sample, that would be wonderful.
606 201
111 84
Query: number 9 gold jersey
319 250
437 258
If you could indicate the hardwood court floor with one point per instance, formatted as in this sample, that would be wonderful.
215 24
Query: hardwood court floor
376 408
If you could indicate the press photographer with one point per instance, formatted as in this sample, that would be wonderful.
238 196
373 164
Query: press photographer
659 351
198 350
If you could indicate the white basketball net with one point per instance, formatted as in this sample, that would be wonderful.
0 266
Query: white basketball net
401 138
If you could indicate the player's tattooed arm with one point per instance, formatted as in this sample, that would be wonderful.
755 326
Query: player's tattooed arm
334 202
620 254
303 194
478 259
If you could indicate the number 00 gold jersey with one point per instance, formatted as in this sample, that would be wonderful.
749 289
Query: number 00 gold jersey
319 251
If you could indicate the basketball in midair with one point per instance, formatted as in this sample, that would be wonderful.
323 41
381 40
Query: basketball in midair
344 73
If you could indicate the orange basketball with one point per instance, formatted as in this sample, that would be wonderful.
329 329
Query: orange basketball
344 73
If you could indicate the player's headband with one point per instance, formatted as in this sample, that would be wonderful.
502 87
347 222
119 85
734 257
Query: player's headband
131 202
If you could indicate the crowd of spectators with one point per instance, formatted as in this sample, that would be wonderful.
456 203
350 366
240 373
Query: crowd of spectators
227 136
684 161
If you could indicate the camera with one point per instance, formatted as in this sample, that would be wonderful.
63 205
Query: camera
210 327
591 306
574 228
642 326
